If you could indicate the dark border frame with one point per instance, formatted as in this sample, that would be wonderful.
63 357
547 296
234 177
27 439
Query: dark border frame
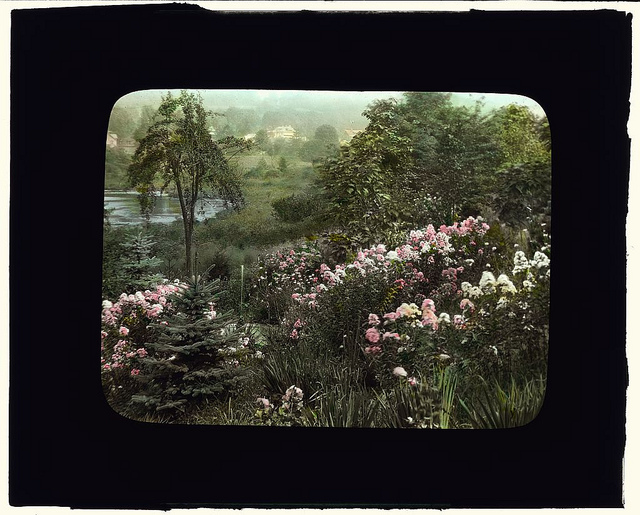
69 66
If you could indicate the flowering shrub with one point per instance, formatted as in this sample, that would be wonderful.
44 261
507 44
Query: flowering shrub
301 270
163 348
443 303
126 325
500 321
335 299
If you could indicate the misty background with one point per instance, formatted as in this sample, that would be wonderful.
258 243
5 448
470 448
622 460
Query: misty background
248 111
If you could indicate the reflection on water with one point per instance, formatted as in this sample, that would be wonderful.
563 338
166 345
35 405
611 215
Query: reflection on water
126 210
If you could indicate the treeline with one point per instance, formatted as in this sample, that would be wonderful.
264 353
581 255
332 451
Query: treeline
423 160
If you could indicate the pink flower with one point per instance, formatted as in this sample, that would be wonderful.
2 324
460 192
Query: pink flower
373 319
428 304
391 316
388 335
294 334
372 335
373 349
412 381
103 334
466 303
429 318
400 372
135 372
142 352
298 323
124 331
264 402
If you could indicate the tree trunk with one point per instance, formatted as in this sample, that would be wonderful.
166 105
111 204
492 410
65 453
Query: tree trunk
187 224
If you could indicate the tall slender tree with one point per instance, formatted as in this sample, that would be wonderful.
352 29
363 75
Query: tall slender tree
178 150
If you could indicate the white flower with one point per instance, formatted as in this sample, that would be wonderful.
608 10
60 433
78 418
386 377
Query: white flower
520 262
502 302
540 260
495 350
444 317
505 284
106 304
487 282
470 291
392 255
400 372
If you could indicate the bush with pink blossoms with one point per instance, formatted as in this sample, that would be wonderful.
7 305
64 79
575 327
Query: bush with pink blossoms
498 325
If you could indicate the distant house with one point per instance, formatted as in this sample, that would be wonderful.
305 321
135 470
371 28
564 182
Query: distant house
128 143
350 133
283 132
112 140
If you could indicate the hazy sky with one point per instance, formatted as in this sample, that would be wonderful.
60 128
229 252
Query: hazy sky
313 100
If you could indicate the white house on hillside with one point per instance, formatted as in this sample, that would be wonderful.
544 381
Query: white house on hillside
284 132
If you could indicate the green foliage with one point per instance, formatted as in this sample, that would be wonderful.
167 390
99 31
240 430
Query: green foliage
296 207
325 143
424 153
116 165
262 140
128 263
140 264
523 192
369 184
514 406
522 136
122 122
283 165
353 406
420 403
455 150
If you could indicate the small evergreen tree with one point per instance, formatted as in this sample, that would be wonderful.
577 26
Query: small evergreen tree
139 263
196 356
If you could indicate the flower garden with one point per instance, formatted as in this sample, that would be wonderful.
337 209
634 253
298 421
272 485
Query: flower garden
448 329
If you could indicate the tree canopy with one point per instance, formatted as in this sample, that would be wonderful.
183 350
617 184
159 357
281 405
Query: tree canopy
178 150
423 158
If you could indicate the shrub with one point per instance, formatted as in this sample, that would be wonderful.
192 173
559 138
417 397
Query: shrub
197 353
295 207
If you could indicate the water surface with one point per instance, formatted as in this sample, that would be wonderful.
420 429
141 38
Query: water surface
126 209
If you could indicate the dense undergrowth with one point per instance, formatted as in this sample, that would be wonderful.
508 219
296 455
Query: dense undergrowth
448 329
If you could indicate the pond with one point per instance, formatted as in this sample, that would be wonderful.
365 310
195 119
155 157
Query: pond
125 210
